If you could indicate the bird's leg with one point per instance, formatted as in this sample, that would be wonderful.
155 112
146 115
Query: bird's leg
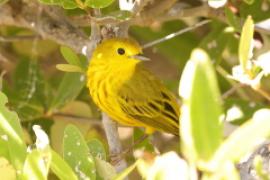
115 158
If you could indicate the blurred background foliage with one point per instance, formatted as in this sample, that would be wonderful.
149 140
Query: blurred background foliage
41 94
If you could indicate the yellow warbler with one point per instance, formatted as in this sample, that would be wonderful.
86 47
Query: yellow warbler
131 95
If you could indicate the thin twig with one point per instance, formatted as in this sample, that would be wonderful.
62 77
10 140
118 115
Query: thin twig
263 93
231 91
170 36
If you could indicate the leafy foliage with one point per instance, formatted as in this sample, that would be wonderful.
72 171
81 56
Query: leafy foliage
224 80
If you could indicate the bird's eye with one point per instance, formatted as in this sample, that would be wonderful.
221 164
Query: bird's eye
120 51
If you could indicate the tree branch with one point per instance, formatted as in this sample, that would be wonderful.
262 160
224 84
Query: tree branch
114 142
48 27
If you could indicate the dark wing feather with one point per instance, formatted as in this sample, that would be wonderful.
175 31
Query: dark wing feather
145 99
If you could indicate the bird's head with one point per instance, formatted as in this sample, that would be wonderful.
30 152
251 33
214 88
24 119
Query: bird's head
118 50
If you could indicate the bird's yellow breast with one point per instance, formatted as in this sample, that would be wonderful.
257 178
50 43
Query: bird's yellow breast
104 82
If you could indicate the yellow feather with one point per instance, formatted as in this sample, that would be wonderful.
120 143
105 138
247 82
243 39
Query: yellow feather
131 95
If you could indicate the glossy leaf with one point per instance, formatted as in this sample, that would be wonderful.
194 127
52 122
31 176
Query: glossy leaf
36 165
76 154
200 128
68 90
97 149
104 169
60 168
246 43
69 68
12 133
70 56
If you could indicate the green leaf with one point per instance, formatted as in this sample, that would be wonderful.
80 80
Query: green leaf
70 56
36 165
29 98
69 88
4 147
104 169
233 20
60 168
69 68
97 149
200 128
12 132
245 46
243 140
76 153
98 3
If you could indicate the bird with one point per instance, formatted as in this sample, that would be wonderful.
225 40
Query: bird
122 87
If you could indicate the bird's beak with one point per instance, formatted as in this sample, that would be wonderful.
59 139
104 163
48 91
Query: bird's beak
140 57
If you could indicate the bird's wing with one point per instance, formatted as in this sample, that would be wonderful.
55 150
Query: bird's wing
145 99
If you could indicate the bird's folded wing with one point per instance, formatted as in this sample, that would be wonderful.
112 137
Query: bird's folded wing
150 103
